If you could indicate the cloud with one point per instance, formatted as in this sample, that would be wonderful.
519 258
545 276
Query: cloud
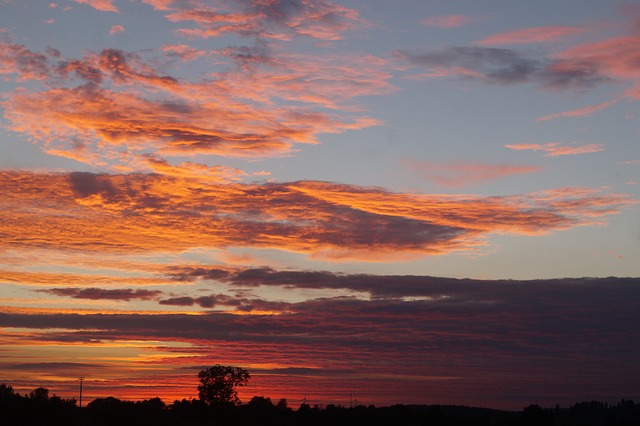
448 21
122 100
140 213
93 293
579 67
581 112
239 304
183 52
116 29
504 67
102 5
280 19
533 35
531 335
74 279
463 173
18 59
48 366
555 149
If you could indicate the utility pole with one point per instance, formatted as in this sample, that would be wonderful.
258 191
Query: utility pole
81 379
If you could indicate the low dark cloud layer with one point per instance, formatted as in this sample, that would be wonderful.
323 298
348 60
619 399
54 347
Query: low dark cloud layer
579 334
93 293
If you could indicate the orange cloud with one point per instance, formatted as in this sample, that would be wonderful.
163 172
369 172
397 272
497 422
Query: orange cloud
139 213
235 114
448 21
103 5
555 149
75 279
533 35
28 65
463 173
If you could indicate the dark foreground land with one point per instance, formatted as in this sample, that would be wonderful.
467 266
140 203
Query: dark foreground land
37 408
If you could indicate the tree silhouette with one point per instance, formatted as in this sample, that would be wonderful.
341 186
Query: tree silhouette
40 394
218 384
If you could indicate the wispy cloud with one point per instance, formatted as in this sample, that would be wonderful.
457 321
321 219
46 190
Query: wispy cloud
183 52
533 35
556 149
262 18
579 67
30 278
581 112
448 21
121 100
463 173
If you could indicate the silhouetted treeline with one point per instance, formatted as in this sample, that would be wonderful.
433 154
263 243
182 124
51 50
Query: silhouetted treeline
38 408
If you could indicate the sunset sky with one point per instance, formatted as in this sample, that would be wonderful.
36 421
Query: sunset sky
412 201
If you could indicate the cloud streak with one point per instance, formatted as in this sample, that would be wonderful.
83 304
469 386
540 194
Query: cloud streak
532 35
93 293
448 21
555 149
464 173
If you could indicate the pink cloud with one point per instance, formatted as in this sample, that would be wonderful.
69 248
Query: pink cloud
448 21
156 113
264 18
205 117
19 60
613 57
580 112
183 52
555 149
116 29
103 5
463 173
533 35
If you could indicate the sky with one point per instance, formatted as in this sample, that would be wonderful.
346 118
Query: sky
417 201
